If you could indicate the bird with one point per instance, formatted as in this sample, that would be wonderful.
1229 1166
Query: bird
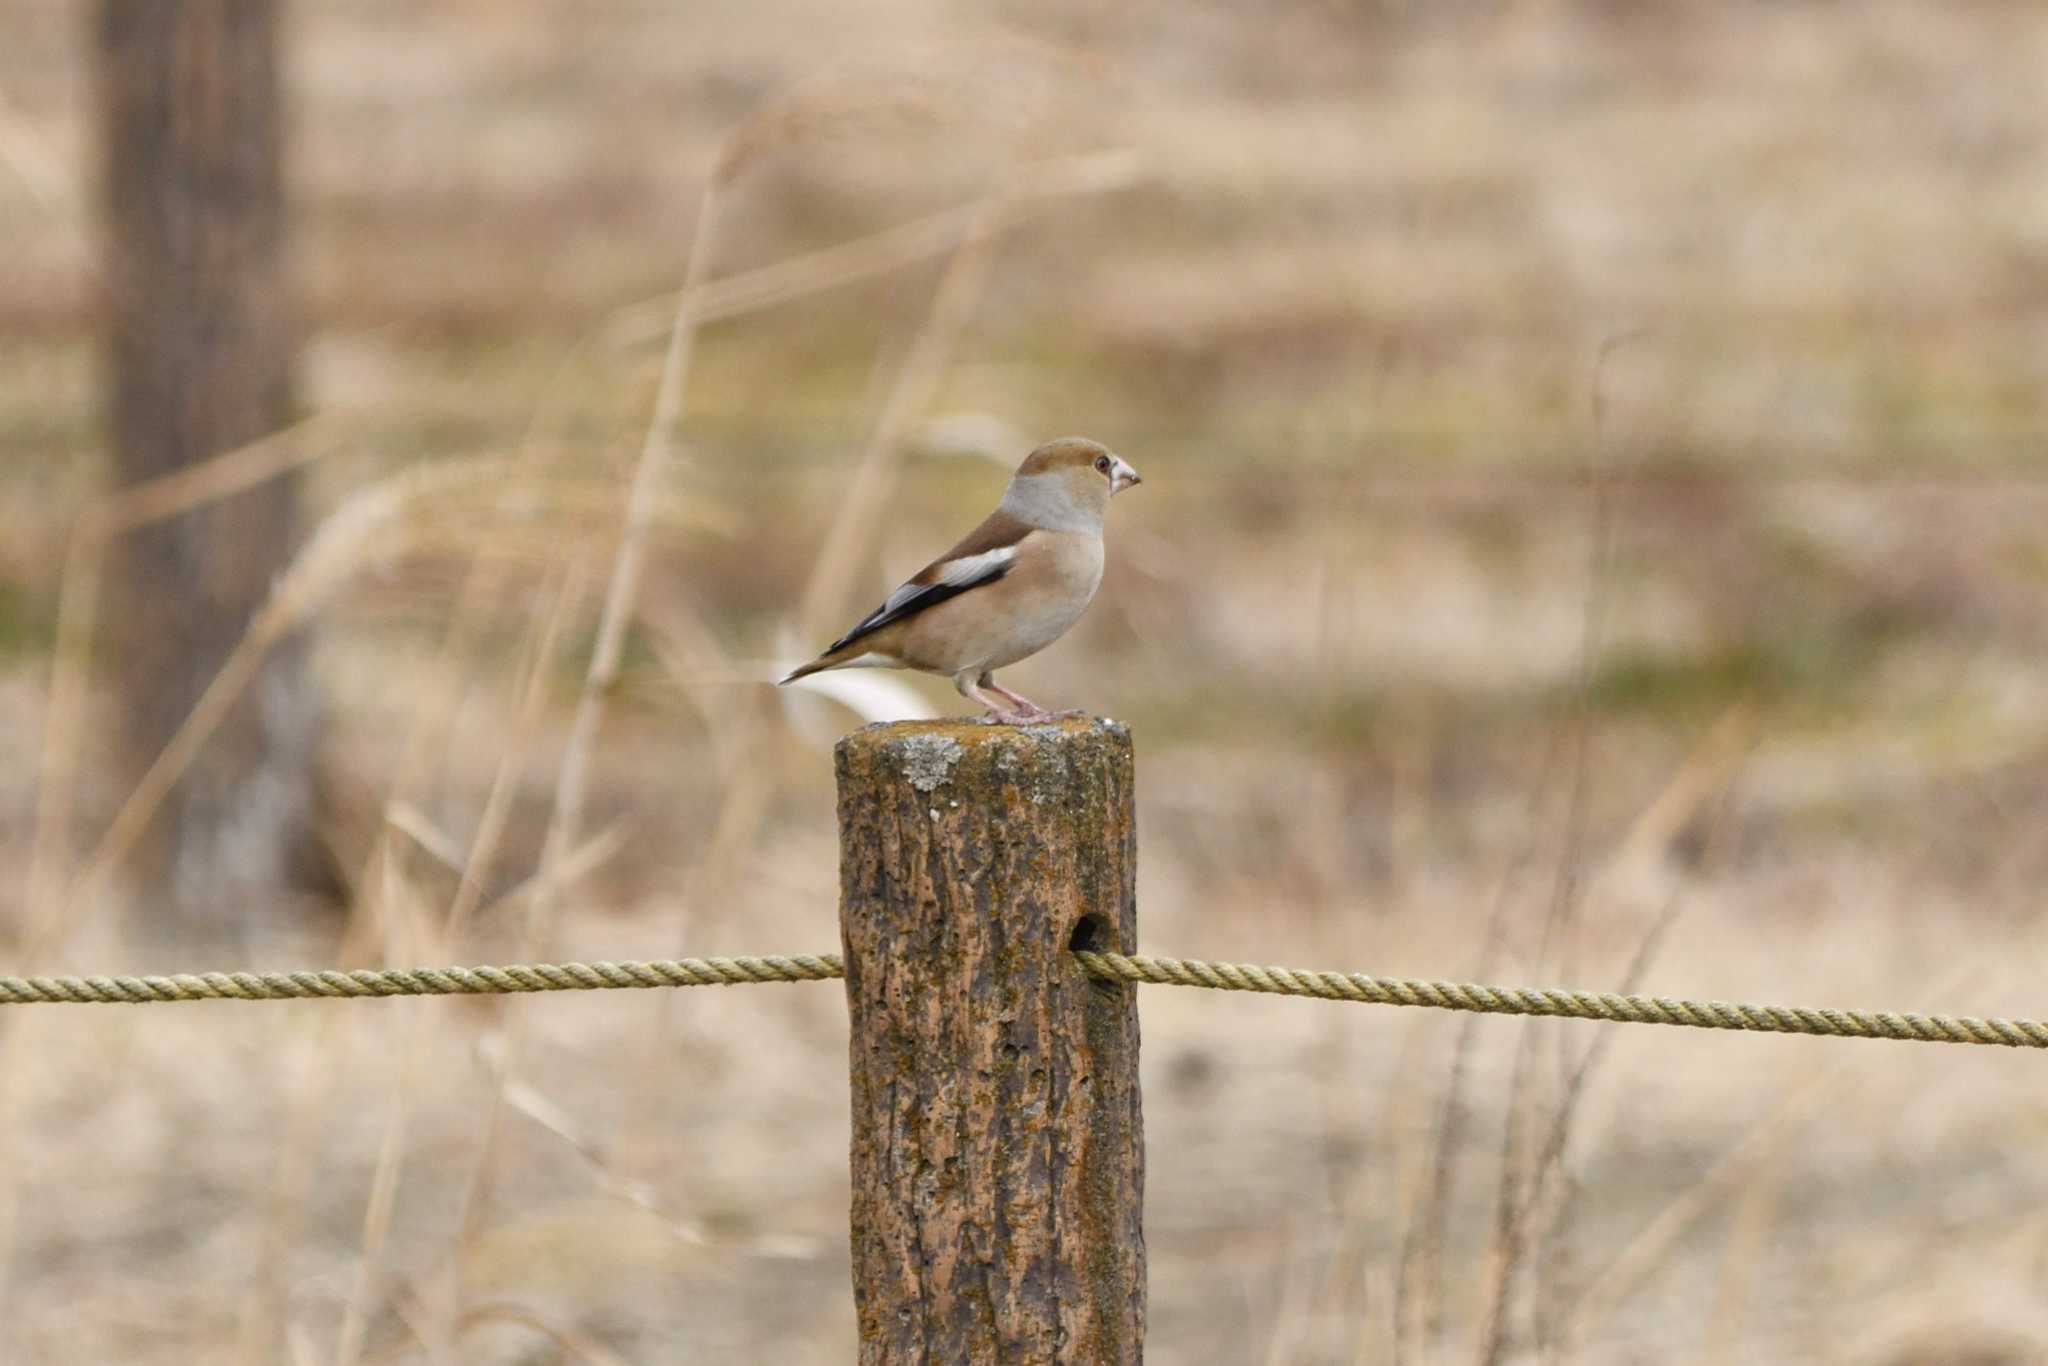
1011 587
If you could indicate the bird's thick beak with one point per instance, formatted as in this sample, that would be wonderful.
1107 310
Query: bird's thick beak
1123 478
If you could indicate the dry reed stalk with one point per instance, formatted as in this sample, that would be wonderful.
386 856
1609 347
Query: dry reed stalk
1411 760
78 600
879 253
427 837
573 1345
1520 1177
1418 1283
490 570
431 728
48 905
1411 1163
431 1324
319 564
426 735
1748 1239
214 479
528 1101
1418 1293
476 1189
1378 1288
580 863
483 849
430 725
1373 1187
1519 1182
564 831
1546 1184
746 792
541 654
850 537
261 1316
1705 773
209 481
745 785
565 825
485 576
1289 1339
745 789
384 1182
1717 757
1503 1254
1625 1272
40 170
329 559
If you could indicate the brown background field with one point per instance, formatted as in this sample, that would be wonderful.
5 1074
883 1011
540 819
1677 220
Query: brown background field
1594 514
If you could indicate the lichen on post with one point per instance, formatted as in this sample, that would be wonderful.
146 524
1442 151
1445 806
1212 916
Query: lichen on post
998 1146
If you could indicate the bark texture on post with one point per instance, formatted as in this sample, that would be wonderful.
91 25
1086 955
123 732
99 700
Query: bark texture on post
998 1146
201 336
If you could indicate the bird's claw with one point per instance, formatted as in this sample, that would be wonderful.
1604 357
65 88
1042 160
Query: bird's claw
1035 717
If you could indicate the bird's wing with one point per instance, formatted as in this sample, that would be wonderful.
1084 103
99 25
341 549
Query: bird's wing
985 555
935 584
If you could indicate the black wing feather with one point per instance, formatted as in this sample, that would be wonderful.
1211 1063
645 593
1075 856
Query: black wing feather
902 604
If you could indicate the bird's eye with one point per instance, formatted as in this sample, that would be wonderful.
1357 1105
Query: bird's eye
1102 463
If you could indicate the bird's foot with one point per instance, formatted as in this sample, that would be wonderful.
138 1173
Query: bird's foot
1029 714
1020 711
1023 709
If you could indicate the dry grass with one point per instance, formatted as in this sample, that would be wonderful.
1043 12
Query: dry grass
1734 687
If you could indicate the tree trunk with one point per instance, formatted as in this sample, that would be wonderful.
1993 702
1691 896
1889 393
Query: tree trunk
998 1146
201 334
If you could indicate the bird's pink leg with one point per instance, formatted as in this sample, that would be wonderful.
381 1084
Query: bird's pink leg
996 710
1024 705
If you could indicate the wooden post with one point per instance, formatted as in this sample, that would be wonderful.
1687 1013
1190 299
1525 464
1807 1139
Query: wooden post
998 1147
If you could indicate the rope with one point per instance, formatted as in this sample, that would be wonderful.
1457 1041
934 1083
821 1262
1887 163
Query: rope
299 986
1576 1005
1112 967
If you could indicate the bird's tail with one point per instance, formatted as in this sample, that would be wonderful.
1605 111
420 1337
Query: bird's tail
831 659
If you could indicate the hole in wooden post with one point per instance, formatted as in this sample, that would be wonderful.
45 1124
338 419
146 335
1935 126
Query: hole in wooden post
1093 933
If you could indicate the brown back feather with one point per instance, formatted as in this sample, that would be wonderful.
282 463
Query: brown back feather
997 530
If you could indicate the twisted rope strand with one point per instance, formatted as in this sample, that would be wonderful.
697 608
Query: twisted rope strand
484 981
1111 967
1578 1005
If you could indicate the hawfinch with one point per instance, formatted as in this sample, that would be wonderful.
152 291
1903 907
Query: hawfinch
1011 588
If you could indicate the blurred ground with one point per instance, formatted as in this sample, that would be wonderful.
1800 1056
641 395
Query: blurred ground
1424 613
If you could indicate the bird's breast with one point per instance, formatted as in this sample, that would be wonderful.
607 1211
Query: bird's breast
1047 588
1054 581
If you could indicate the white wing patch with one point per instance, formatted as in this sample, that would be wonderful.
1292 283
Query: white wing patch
969 570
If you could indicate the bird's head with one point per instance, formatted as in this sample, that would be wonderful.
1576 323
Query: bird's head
1068 481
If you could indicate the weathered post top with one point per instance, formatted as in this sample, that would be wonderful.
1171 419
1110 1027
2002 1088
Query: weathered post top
998 1147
